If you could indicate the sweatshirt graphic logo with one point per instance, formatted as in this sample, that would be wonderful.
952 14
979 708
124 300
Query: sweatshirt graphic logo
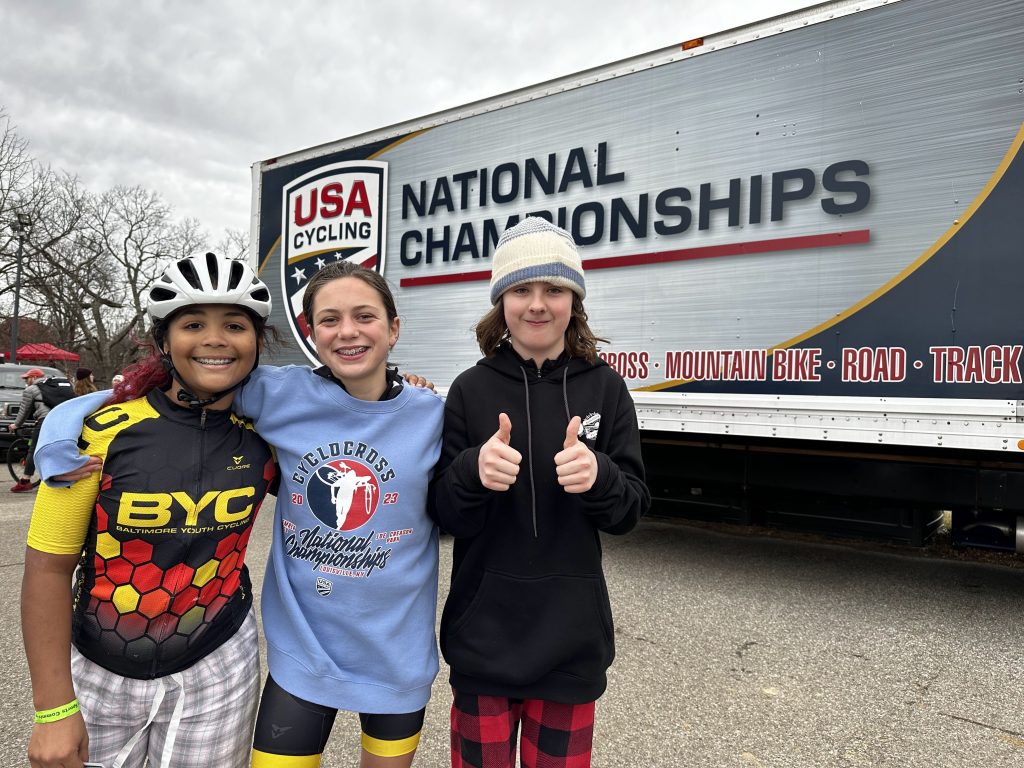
340 484
336 212
590 426
343 494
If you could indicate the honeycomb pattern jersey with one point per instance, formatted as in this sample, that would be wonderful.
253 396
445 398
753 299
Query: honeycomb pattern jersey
162 533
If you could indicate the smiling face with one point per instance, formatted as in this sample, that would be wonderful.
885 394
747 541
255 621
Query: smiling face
213 347
353 335
537 315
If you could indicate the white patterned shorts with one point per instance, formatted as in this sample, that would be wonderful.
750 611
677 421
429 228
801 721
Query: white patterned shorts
201 716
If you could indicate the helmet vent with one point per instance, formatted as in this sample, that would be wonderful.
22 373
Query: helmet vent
161 294
235 278
188 271
212 268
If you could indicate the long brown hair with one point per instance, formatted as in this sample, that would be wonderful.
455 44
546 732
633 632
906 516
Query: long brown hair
580 341
83 387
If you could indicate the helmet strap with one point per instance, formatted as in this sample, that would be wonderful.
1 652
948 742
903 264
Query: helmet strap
186 396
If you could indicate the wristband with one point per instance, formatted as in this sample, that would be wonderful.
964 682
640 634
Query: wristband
57 713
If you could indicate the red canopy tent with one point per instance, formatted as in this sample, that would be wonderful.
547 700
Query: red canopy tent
45 352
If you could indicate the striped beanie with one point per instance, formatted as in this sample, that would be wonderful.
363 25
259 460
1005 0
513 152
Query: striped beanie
536 250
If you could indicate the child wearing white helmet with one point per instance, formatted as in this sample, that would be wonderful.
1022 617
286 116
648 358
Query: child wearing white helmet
153 655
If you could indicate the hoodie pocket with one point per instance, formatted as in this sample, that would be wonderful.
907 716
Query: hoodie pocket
518 630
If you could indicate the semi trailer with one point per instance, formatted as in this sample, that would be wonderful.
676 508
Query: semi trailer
804 239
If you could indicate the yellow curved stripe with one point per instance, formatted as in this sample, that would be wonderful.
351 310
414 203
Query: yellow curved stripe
996 177
374 156
269 760
396 748
273 247
395 143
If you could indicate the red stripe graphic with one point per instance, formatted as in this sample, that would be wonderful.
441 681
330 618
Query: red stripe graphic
827 240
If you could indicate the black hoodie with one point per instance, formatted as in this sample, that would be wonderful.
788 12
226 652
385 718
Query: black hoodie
528 613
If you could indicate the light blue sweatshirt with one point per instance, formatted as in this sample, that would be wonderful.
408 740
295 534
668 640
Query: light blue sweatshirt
350 591
57 448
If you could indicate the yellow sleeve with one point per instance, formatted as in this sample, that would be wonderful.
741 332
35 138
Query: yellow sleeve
60 517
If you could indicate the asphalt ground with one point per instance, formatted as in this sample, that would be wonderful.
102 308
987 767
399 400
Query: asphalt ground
738 648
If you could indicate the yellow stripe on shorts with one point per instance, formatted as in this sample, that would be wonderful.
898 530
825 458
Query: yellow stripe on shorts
383 748
269 760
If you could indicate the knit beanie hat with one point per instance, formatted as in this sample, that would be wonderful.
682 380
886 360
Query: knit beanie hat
82 373
536 250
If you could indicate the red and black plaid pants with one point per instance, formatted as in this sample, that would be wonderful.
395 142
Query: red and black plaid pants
485 731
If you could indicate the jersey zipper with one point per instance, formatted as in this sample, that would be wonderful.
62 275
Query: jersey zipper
199 462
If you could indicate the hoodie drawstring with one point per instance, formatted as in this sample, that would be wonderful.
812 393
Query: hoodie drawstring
565 394
529 450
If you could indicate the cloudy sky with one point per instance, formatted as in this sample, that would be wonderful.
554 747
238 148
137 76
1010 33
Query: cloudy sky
182 97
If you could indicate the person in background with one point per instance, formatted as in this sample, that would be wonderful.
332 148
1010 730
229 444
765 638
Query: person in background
541 454
84 382
32 408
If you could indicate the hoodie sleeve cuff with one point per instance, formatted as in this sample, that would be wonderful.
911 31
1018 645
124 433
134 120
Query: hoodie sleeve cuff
467 471
607 477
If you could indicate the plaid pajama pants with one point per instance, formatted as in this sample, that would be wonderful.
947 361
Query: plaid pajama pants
485 731
201 716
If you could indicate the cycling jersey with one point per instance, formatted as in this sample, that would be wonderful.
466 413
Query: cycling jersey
163 532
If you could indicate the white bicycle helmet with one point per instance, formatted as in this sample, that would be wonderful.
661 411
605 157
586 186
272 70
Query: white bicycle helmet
208 279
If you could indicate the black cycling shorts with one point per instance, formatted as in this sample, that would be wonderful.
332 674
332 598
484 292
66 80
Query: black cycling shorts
288 725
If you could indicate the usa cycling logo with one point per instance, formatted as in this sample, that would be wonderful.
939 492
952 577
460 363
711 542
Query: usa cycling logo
343 494
324 587
333 213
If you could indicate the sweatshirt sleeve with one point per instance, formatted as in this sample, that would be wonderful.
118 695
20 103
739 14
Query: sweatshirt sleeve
57 449
250 397
620 496
460 499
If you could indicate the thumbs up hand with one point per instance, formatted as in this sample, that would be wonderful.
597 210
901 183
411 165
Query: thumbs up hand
498 462
575 464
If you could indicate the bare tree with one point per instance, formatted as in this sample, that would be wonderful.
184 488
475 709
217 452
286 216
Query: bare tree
15 164
89 284
58 206
128 235
88 258
54 203
234 244
16 172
